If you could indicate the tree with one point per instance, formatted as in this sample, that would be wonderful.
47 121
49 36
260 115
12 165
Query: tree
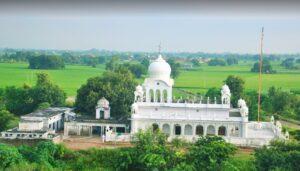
117 87
23 100
278 156
208 153
298 61
113 63
195 62
288 63
145 62
216 62
46 91
213 92
266 67
231 61
136 69
175 67
46 62
9 156
236 86
5 119
19 100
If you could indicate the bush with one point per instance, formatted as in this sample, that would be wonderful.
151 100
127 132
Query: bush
279 156
210 152
9 156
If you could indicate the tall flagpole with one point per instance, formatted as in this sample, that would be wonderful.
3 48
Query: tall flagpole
260 74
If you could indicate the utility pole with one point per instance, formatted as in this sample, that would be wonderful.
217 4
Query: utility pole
260 74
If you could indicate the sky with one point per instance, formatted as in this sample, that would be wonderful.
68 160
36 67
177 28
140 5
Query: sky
131 25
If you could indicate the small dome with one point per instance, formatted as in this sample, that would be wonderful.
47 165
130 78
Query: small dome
139 88
103 103
159 68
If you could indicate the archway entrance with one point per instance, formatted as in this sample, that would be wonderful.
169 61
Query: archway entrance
211 130
177 130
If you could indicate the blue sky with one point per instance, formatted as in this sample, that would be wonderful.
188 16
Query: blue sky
207 32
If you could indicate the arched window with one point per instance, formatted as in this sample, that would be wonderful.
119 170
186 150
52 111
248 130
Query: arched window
199 130
165 96
222 131
188 130
211 130
151 94
158 96
177 129
155 127
166 129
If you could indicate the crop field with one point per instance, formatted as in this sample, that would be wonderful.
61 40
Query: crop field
204 77
197 80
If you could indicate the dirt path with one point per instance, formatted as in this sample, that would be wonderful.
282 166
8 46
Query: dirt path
81 143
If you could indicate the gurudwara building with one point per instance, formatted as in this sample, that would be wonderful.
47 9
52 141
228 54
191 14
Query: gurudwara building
155 108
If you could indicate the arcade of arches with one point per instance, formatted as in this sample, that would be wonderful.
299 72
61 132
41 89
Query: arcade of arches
190 130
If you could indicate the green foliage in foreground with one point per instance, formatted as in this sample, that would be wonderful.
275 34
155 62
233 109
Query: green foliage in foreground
279 156
152 152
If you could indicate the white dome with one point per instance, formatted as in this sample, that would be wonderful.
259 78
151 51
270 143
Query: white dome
139 88
159 68
103 103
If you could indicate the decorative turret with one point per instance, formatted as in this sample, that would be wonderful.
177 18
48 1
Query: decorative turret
138 94
243 109
102 109
225 92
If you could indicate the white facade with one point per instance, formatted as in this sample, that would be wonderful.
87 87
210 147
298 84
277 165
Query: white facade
154 108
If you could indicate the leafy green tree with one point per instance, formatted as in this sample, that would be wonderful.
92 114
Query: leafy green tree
46 91
213 92
136 69
113 63
288 63
151 149
117 87
279 156
195 62
18 100
216 62
145 62
9 156
46 62
208 153
175 67
23 100
5 119
232 61
236 86
266 67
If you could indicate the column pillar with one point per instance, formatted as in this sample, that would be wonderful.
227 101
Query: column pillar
161 96
204 130
66 130
154 95
78 130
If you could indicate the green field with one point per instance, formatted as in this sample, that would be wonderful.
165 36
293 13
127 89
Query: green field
197 80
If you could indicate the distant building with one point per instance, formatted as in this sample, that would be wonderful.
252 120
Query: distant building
154 108
41 124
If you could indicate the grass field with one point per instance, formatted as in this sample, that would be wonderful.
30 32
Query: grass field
197 80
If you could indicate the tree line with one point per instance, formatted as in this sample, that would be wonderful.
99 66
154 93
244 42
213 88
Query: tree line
151 151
